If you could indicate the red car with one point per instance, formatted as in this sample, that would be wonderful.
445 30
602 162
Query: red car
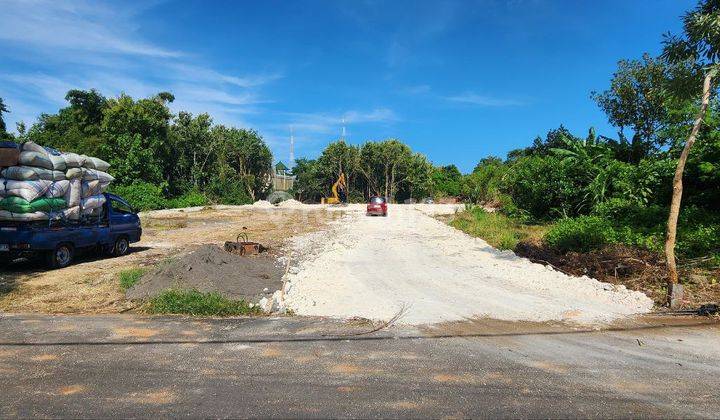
377 207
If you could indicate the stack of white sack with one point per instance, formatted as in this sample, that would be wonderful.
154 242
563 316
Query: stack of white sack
50 184
88 181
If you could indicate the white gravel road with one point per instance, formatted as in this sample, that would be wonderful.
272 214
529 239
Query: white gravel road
373 267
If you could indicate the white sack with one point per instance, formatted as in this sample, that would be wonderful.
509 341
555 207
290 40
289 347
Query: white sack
58 162
73 160
96 187
95 163
36 159
96 201
74 193
23 217
72 213
29 190
33 147
27 173
92 174
58 189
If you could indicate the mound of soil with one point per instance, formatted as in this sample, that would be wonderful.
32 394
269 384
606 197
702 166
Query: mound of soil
212 269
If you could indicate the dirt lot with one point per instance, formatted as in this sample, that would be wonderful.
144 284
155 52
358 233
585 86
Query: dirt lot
91 285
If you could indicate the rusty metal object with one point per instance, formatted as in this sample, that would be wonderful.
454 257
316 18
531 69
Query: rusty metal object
244 247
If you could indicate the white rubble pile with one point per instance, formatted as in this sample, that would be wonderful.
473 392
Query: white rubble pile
376 267
263 204
292 204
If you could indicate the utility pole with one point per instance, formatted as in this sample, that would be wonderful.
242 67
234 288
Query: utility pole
292 148
342 136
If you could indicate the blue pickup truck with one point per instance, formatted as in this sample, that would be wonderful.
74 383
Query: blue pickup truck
112 233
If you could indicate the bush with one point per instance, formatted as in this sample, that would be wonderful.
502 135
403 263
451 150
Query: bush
496 229
142 195
128 278
194 302
231 192
580 234
191 198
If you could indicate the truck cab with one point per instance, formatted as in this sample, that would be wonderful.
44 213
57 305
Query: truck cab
112 231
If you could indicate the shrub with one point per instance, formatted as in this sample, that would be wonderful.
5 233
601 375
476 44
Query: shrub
230 192
128 278
194 302
142 195
496 229
581 234
192 198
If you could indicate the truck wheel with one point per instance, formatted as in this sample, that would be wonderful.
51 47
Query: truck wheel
61 257
121 247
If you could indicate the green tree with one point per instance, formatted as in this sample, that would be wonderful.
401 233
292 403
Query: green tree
195 152
447 181
3 127
243 159
700 43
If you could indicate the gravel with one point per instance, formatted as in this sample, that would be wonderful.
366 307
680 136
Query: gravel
375 267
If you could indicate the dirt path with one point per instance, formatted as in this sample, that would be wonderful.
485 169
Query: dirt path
91 284
374 267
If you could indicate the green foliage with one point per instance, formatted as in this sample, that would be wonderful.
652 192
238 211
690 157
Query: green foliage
129 277
446 181
581 234
485 183
193 302
496 229
185 157
142 195
192 198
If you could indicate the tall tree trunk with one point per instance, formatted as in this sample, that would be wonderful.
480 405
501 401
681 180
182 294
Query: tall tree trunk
674 292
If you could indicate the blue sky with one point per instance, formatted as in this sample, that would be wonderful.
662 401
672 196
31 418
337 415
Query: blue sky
456 80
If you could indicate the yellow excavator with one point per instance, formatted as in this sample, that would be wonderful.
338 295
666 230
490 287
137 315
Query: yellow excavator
339 191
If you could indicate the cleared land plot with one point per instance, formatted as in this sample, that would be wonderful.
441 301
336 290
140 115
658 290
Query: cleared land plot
92 284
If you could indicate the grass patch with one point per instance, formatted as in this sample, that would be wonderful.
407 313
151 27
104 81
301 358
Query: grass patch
497 229
194 302
128 278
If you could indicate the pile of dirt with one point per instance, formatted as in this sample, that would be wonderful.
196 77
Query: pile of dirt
212 269
637 269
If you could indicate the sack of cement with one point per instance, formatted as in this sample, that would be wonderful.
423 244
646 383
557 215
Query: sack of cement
58 189
96 187
23 217
9 154
35 159
27 173
73 160
93 202
29 190
74 193
95 175
95 163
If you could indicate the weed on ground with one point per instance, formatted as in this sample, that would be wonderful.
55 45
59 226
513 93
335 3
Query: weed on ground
196 303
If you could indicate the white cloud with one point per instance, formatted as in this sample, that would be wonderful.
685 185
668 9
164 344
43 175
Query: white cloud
78 25
83 45
485 100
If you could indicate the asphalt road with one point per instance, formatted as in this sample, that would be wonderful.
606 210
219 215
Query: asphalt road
130 366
